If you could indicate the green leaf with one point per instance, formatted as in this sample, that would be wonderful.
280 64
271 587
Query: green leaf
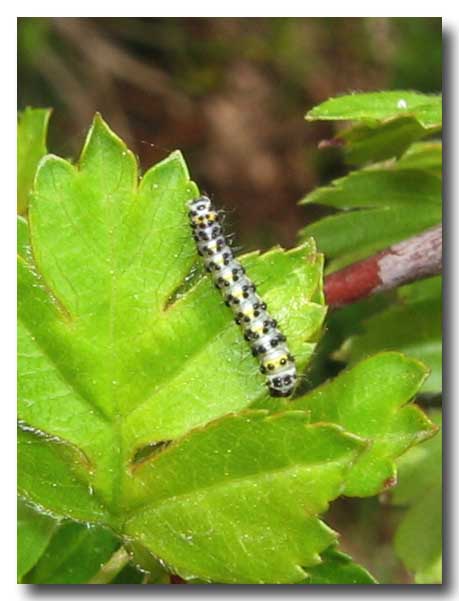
370 400
423 155
35 530
146 564
381 107
418 540
23 242
54 475
341 325
338 568
31 147
124 346
364 143
236 501
74 555
412 325
389 201
379 206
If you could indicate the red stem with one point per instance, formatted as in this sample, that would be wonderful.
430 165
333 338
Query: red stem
413 259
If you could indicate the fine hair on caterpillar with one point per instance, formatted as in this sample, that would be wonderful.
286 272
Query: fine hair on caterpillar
267 343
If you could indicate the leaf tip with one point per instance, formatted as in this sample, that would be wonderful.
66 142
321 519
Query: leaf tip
177 157
100 126
46 166
100 133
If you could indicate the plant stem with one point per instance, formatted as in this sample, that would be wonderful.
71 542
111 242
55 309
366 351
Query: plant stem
112 567
407 261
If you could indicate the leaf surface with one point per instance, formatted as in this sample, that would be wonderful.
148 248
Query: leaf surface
74 555
378 207
388 201
364 143
236 502
125 347
338 568
418 540
371 401
56 476
34 532
423 155
412 325
31 147
381 107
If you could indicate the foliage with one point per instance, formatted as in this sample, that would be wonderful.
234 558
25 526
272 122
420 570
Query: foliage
380 107
31 147
142 412
378 205
339 568
412 324
418 540
395 193
370 400
74 554
34 531
384 202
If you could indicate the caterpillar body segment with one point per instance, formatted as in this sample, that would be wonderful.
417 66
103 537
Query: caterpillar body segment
239 293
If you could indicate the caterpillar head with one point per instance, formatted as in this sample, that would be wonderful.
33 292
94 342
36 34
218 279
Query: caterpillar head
199 206
282 384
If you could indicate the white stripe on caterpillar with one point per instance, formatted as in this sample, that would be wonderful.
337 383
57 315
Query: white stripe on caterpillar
260 330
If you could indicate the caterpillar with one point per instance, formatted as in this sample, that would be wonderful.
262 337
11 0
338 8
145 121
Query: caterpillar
260 330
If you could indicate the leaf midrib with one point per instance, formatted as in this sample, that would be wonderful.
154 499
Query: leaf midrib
209 341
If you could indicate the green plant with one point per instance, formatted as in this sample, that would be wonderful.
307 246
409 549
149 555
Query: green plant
395 192
142 413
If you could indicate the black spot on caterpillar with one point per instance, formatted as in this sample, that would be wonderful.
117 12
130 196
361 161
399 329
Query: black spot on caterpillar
260 330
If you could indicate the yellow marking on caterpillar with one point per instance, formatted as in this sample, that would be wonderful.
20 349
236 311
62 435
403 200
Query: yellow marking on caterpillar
238 293
276 362
248 312
209 217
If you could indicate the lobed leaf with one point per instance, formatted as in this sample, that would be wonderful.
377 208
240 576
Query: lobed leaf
236 501
123 348
31 147
371 401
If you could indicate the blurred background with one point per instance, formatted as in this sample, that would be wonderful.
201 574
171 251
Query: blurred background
231 93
